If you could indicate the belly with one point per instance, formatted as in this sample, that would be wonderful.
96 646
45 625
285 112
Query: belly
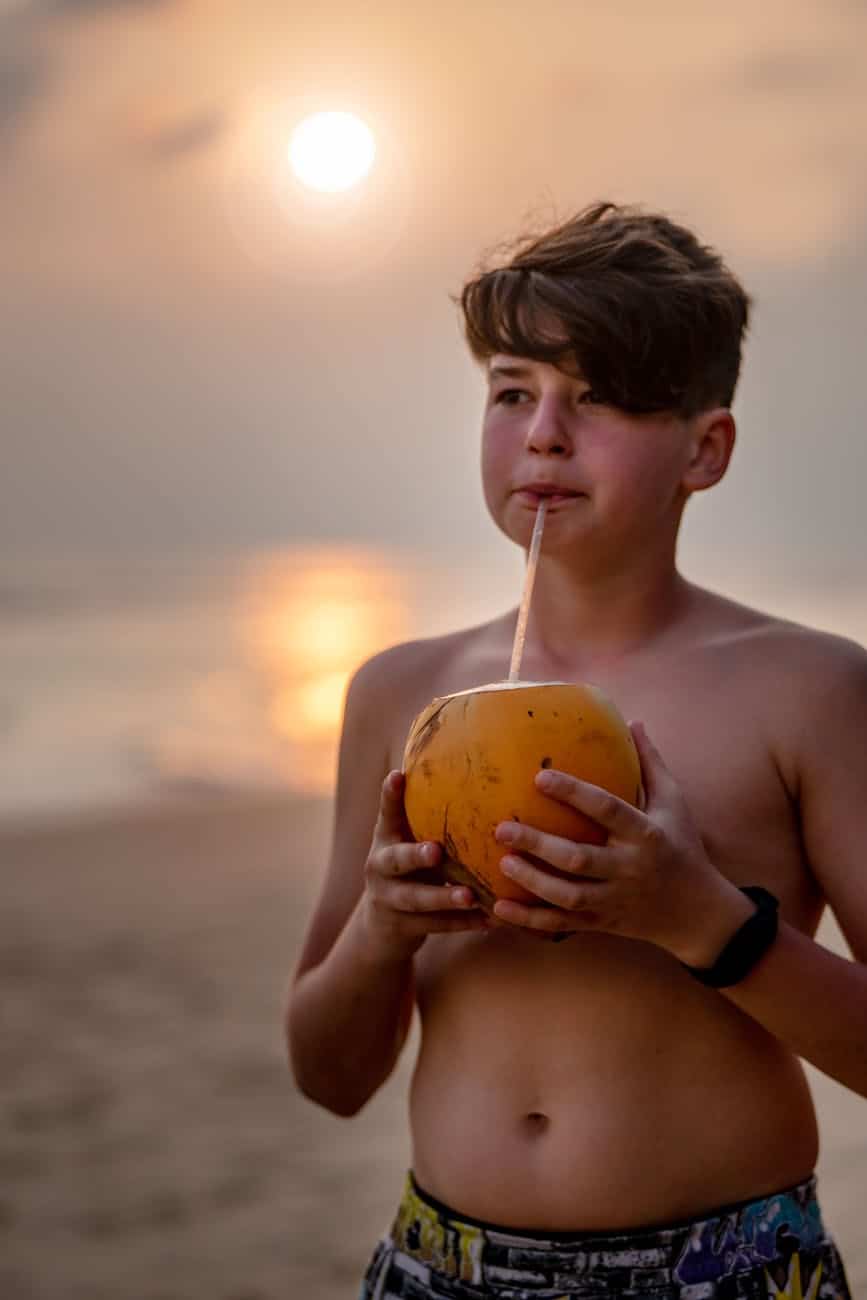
593 1084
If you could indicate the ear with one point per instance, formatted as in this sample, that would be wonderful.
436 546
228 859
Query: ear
710 443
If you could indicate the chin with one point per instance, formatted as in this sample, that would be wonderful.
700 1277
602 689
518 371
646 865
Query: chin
517 530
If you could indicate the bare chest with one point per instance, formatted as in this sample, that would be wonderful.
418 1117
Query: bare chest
714 725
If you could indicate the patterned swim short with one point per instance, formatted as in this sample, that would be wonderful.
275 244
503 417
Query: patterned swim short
773 1247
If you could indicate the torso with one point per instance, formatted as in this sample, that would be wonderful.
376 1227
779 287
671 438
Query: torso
593 1083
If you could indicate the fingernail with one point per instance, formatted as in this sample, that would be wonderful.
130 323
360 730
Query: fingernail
505 834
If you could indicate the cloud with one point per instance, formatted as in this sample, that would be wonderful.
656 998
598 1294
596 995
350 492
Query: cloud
781 71
188 136
97 6
26 73
23 11
23 78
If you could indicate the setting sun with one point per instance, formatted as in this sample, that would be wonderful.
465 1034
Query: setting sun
331 151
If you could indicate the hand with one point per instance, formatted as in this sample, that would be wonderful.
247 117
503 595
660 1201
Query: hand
404 900
651 880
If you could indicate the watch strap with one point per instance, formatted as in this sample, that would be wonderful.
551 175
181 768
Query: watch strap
748 943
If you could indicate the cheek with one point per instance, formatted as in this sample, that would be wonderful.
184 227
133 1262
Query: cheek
648 473
497 460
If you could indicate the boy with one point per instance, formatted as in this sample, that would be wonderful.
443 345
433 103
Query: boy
623 1113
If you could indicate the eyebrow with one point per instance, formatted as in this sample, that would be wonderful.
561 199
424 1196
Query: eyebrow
523 372
514 371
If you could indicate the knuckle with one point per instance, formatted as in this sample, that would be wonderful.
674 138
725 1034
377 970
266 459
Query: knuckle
371 870
577 861
417 897
397 898
406 898
386 862
420 857
608 807
401 859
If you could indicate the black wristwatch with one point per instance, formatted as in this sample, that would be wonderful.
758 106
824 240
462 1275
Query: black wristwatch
746 945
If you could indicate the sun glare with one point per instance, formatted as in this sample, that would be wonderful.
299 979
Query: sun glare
331 151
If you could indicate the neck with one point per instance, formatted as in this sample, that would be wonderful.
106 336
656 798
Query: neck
579 622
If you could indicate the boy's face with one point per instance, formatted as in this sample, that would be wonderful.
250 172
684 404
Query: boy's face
621 474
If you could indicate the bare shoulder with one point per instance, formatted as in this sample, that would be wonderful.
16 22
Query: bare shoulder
406 677
809 691
802 681
398 673
766 639
400 666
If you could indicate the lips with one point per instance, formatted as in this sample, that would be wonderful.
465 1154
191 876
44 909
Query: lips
534 493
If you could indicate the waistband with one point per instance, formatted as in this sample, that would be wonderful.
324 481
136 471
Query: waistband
727 1240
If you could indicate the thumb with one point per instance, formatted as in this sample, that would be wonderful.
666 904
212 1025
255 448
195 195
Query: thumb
391 825
655 775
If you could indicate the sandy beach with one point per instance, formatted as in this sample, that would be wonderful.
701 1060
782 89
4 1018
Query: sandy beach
153 1146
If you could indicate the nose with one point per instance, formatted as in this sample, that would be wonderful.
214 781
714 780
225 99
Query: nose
547 432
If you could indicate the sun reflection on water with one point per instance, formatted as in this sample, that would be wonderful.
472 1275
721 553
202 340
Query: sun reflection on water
221 678
305 626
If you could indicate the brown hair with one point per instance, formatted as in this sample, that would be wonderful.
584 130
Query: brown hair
653 318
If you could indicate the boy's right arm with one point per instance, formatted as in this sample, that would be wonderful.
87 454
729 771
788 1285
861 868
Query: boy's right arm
352 994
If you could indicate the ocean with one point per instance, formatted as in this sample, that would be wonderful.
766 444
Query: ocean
127 681
124 681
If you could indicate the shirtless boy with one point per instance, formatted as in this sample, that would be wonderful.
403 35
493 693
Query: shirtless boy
623 1113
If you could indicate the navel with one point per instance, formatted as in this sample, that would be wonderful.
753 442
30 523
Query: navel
535 1122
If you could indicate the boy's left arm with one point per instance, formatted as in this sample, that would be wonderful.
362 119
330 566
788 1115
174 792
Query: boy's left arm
811 999
653 880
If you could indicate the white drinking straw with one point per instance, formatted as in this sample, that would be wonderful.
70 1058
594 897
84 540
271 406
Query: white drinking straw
529 579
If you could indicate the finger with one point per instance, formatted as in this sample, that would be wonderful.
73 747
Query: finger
565 855
391 824
403 858
405 896
655 773
616 815
550 920
571 895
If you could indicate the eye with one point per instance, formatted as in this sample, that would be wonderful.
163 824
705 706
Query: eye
510 396
590 397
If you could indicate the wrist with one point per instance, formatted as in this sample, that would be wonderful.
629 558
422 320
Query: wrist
378 948
747 946
717 922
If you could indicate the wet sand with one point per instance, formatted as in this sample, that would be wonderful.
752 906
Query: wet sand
152 1144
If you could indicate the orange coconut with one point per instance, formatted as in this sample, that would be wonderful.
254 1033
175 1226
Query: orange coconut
471 759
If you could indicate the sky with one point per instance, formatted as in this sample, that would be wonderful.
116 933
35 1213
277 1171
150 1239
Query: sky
197 353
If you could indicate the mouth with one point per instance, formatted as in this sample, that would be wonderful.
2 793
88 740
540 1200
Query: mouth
533 496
